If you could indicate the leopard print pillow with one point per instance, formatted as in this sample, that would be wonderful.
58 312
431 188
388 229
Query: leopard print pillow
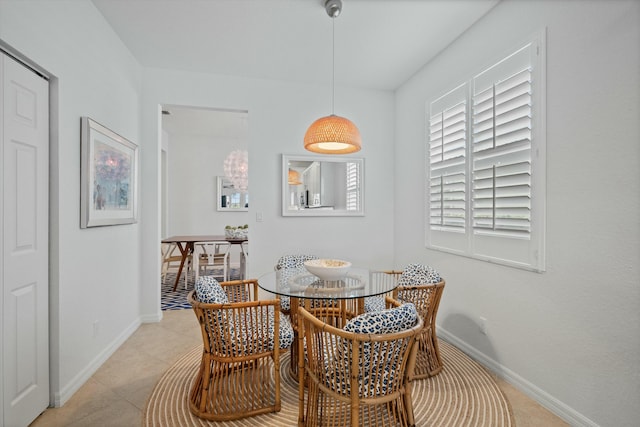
290 262
376 382
293 261
388 321
418 274
209 291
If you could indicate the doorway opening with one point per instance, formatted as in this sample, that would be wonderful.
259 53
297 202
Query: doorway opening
195 143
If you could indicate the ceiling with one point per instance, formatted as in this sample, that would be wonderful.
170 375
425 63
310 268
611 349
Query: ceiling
379 44
181 120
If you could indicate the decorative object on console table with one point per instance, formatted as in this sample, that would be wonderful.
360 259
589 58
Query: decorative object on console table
240 232
108 177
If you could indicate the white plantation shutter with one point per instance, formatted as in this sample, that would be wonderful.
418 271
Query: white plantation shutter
353 192
486 168
447 161
501 139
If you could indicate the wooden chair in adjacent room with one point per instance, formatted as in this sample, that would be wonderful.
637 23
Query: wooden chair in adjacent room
171 258
239 373
212 259
423 286
360 374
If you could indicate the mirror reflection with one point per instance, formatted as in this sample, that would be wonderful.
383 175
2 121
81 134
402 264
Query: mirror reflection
322 186
231 198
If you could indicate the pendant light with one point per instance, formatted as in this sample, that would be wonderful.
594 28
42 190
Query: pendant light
333 134
236 169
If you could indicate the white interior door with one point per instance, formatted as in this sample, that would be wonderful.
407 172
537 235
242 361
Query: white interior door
24 148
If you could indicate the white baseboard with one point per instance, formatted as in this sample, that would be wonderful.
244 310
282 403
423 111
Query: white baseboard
151 318
554 405
61 397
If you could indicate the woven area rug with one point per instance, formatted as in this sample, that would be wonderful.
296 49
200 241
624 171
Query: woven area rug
463 394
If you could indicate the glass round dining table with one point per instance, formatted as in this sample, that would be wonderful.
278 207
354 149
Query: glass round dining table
298 283
315 294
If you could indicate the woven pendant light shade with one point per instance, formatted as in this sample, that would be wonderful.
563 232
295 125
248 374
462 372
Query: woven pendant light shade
333 135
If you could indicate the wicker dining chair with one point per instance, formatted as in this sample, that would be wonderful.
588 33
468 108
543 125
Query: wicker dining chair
423 286
358 375
294 263
290 262
377 303
239 374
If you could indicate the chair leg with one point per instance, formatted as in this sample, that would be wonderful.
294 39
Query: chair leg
186 277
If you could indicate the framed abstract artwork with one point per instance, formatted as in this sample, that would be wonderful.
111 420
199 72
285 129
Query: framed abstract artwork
108 177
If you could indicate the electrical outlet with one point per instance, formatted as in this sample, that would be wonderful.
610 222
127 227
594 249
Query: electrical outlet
96 328
483 325
259 216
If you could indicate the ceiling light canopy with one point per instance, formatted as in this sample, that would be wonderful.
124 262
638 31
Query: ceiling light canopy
333 134
333 7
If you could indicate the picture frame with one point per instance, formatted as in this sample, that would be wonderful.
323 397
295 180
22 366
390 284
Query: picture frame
108 177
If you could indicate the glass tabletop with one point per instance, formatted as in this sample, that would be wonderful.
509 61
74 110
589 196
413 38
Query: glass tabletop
299 283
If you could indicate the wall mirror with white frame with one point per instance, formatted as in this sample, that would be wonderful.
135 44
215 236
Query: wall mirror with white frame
322 186
230 198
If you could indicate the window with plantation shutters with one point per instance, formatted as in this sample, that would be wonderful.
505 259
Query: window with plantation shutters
486 163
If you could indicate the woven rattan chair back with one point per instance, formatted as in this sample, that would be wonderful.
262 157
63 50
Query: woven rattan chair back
344 387
286 262
426 298
386 278
239 374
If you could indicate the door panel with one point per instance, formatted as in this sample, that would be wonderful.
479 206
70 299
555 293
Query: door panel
25 282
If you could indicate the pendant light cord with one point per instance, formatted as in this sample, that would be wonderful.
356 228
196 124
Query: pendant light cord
333 63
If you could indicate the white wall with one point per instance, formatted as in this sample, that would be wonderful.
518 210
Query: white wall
279 114
571 336
194 163
568 336
94 272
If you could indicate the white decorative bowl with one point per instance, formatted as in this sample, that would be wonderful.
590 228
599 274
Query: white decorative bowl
328 269
236 233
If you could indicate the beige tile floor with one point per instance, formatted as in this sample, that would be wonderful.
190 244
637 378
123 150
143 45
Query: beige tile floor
116 394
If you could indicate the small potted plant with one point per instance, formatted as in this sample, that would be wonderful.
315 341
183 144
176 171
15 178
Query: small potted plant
239 232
